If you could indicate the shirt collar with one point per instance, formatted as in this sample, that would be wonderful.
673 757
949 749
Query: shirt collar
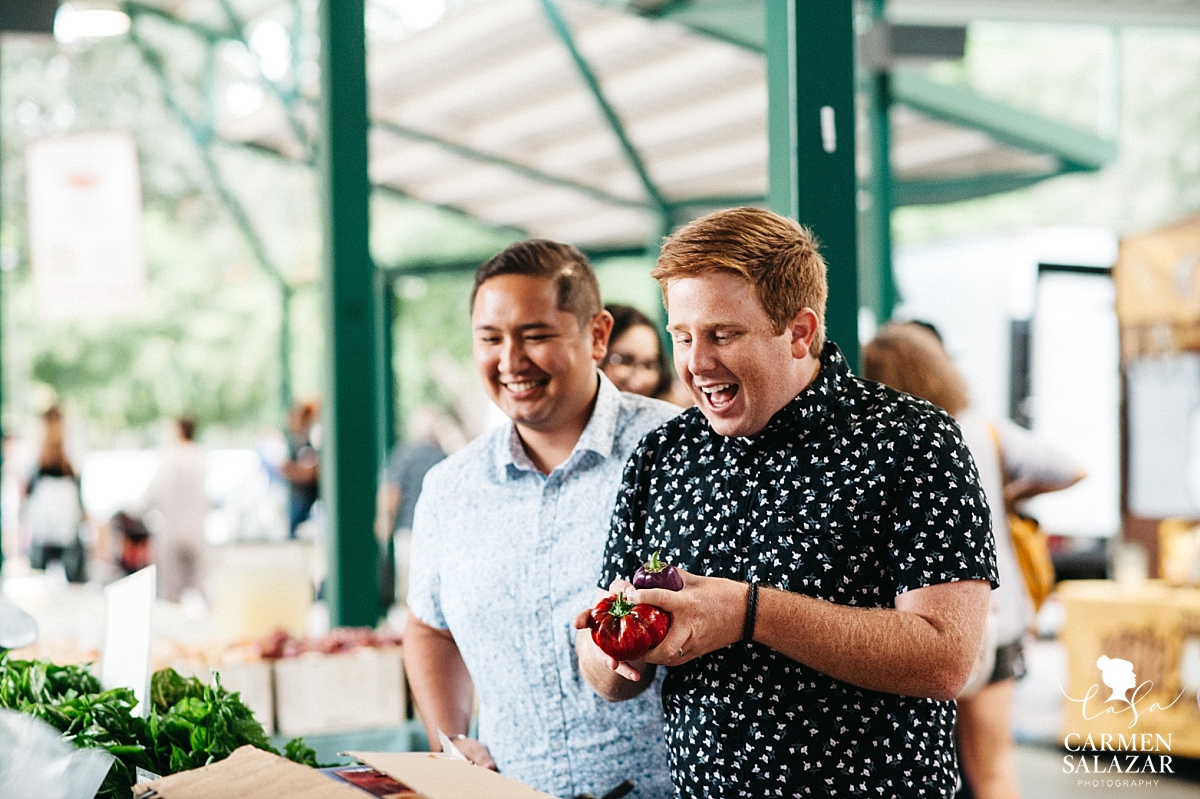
599 436
812 405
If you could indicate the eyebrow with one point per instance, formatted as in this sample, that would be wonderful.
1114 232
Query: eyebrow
521 328
677 328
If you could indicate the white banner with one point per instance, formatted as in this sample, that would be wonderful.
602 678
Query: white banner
85 225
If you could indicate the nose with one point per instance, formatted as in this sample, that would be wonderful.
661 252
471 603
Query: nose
512 355
701 356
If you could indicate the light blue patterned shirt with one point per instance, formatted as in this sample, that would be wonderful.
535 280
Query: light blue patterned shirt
505 557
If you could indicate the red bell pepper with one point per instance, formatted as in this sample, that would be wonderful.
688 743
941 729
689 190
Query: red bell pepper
626 631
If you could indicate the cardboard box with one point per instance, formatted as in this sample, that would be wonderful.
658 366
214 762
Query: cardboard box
355 690
439 777
250 772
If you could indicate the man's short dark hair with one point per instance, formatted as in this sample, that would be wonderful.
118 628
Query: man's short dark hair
577 293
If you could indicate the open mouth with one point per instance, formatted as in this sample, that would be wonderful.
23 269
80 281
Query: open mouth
719 396
521 389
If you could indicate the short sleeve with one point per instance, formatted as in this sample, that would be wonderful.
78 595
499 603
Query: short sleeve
628 526
424 583
943 528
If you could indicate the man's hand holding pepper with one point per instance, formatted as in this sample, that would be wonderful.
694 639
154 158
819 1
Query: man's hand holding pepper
707 614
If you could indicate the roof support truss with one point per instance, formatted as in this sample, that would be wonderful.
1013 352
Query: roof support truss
563 31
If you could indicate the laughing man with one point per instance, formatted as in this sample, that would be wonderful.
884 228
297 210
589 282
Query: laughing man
835 542
508 539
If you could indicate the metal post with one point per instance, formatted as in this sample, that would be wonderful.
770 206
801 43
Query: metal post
1 306
385 403
285 350
883 283
810 84
349 451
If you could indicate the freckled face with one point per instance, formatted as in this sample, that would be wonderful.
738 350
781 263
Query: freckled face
535 361
736 368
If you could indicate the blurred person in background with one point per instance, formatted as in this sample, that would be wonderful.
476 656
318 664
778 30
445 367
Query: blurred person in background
636 361
1013 465
406 469
301 469
178 492
53 509
508 536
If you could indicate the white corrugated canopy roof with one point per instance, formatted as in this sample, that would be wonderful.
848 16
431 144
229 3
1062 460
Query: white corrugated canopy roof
487 112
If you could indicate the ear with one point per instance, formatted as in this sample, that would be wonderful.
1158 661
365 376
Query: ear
803 328
600 328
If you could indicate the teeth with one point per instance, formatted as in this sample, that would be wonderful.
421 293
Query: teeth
715 389
519 387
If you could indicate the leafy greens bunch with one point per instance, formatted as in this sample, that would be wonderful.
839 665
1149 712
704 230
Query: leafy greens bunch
189 724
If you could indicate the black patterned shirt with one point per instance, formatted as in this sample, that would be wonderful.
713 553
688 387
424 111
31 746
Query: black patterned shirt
853 493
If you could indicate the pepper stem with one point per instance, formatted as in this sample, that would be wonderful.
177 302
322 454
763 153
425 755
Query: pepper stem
655 564
620 607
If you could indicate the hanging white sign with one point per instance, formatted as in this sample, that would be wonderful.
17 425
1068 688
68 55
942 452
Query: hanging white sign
85 225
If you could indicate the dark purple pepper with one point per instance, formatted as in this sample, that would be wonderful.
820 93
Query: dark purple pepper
656 573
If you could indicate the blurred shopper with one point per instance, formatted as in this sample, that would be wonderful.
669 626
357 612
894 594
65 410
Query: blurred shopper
53 507
1013 465
508 536
178 492
301 469
636 360
406 469
833 540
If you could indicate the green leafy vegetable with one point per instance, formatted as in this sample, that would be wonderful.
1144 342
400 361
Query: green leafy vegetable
189 725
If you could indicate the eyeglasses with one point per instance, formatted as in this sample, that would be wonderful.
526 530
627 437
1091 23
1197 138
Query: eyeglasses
629 362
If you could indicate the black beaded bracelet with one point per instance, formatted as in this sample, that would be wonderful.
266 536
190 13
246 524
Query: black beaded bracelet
751 613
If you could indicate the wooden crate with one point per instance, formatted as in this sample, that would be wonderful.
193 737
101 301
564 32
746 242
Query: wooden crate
356 690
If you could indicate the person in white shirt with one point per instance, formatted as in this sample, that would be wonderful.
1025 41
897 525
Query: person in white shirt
178 493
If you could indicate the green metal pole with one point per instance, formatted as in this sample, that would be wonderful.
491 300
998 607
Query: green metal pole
1 298
285 350
810 84
349 451
882 203
385 306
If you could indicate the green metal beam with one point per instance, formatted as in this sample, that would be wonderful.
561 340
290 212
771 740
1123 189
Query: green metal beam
525 171
203 138
1003 123
559 24
135 10
737 22
349 454
285 98
811 120
952 190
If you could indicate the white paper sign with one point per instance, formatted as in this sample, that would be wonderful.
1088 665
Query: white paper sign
126 659
85 225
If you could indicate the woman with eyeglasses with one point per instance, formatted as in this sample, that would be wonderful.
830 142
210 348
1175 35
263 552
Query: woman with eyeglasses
636 360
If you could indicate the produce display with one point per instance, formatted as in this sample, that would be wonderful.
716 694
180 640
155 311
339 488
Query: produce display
189 724
279 644
626 631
